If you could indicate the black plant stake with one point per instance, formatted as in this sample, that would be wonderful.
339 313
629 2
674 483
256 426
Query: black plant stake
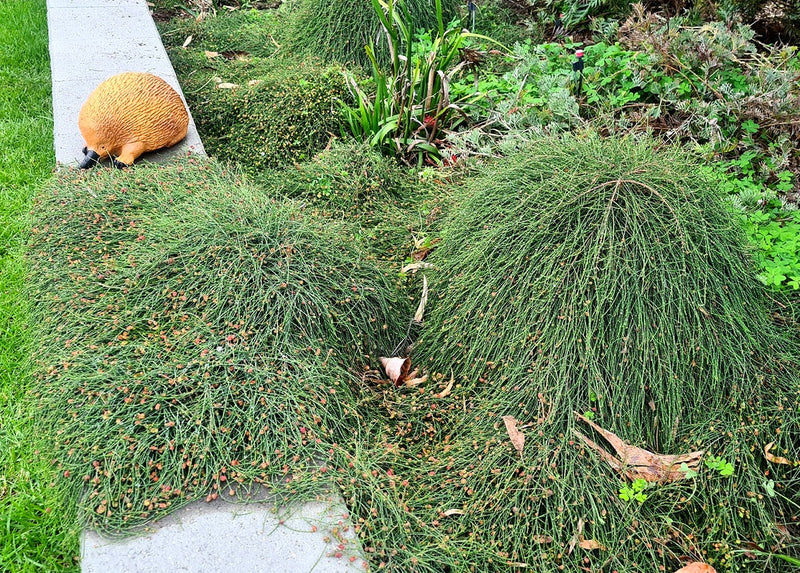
472 9
577 66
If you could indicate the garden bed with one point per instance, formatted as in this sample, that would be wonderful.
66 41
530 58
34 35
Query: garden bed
588 269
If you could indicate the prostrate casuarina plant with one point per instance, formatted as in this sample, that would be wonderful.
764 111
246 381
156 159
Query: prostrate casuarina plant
603 276
195 333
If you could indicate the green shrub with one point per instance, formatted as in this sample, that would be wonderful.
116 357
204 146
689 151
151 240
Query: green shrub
256 32
339 30
355 182
193 333
601 275
290 112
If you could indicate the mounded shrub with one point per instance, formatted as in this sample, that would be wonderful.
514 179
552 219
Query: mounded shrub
281 112
606 277
338 31
194 332
357 183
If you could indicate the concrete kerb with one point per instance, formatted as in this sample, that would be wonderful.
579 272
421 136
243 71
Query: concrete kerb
91 40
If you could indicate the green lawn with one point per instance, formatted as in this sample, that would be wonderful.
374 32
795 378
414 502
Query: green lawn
37 529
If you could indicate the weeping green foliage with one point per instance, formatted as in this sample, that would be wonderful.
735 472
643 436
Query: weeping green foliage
339 30
603 276
193 331
611 269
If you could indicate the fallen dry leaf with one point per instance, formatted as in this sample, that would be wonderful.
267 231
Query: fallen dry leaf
590 544
637 463
446 391
396 368
416 266
187 41
416 381
421 249
235 55
450 512
422 301
211 55
517 437
227 86
697 567
777 459
575 538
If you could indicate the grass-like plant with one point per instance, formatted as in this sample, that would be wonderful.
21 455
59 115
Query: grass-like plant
411 106
194 333
38 529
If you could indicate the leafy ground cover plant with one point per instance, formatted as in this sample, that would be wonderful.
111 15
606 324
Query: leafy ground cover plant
388 203
223 326
261 112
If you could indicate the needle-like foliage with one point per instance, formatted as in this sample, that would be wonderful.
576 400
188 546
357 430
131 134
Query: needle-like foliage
195 331
603 276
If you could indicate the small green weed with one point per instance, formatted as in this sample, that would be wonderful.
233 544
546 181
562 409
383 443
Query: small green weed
720 465
635 491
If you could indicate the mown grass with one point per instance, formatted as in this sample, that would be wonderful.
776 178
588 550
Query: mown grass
37 527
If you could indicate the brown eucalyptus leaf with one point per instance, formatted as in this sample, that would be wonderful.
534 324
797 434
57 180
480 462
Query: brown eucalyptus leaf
211 55
416 381
422 301
777 459
450 512
590 544
517 437
637 463
187 41
446 391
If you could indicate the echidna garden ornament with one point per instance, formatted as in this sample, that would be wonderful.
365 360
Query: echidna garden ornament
130 114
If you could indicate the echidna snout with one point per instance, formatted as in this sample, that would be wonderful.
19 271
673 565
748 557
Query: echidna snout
91 158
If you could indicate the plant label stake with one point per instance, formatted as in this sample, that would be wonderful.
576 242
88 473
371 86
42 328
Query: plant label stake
577 66
472 8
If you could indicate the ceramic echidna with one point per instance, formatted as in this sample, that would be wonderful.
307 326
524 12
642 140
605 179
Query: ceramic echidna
130 114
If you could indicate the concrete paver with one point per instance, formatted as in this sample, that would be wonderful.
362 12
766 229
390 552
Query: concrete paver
221 537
